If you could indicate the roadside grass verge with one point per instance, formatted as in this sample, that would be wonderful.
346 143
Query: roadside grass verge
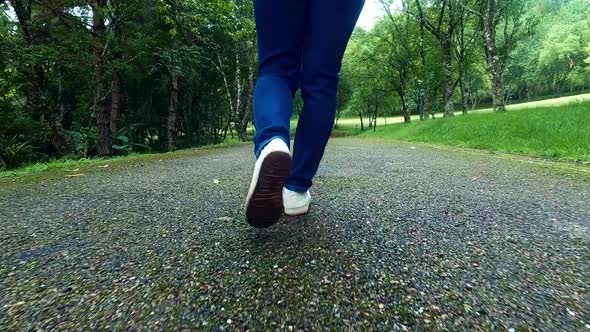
350 124
73 164
561 132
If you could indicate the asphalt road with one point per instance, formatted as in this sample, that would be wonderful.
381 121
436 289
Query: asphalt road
399 237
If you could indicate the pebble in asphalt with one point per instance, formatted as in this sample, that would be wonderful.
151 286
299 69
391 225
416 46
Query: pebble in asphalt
399 237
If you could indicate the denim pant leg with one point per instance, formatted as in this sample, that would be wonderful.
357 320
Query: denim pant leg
329 26
280 25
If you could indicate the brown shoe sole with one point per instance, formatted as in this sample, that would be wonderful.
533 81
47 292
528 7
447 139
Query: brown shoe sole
265 206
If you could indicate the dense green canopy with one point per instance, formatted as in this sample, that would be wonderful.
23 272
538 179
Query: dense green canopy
98 77
542 49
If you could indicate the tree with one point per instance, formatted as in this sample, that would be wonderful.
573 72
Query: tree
100 49
465 39
562 46
505 16
443 28
399 53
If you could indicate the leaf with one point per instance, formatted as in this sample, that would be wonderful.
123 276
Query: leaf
119 147
216 181
123 139
103 166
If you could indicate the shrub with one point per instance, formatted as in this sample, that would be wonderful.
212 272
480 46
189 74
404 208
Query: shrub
13 151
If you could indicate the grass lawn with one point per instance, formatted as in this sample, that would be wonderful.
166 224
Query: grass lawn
560 132
349 124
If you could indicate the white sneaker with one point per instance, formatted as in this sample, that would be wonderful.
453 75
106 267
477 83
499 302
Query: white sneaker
264 203
296 203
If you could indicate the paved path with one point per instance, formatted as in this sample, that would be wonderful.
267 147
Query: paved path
399 238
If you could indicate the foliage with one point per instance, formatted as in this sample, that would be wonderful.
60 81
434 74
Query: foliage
132 139
552 56
543 46
185 70
180 68
13 151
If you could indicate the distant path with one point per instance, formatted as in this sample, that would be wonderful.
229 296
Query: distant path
351 122
399 238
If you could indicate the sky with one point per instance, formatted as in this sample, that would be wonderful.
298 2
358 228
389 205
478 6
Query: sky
371 11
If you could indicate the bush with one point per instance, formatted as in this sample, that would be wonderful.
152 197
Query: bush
132 138
82 142
13 152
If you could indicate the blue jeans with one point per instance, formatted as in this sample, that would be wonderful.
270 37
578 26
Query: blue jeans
300 45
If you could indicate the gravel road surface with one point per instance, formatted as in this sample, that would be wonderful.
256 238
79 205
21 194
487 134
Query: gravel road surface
400 237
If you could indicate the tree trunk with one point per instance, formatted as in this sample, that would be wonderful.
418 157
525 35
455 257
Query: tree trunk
173 112
248 111
497 85
462 89
115 103
422 104
426 105
57 139
100 98
362 123
60 91
493 59
449 84
375 117
190 129
406 111
238 84
37 87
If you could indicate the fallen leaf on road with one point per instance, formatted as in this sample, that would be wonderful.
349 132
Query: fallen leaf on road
216 181
103 166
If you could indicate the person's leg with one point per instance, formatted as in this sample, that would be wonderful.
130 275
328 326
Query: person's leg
329 26
280 26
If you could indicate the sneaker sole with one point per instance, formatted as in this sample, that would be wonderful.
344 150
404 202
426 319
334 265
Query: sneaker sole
297 212
265 206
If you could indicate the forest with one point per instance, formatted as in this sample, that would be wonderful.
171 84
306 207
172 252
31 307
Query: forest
107 77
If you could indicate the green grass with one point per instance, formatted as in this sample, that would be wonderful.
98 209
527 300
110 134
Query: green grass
560 132
65 164
349 124
72 164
